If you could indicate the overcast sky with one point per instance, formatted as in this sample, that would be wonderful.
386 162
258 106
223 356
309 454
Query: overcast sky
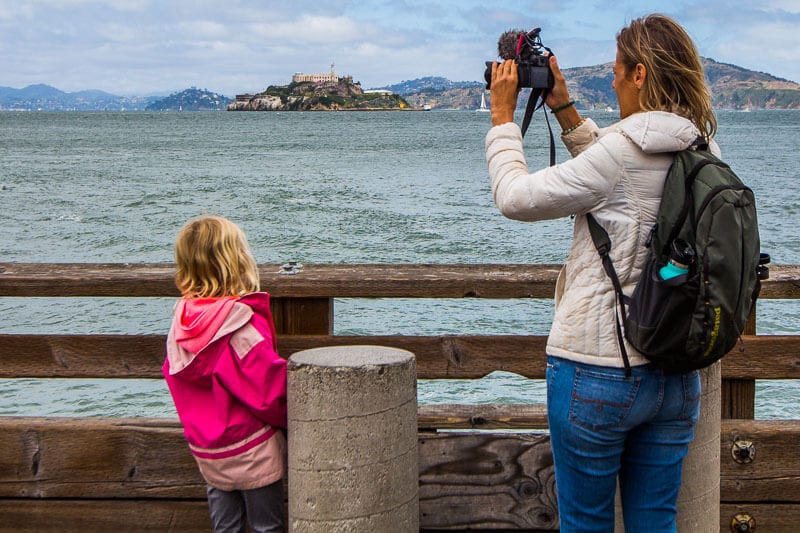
234 46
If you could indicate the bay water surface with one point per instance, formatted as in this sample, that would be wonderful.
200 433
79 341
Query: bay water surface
346 187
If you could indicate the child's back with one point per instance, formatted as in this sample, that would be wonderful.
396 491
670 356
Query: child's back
225 376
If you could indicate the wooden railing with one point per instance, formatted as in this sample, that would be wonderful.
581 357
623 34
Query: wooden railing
83 474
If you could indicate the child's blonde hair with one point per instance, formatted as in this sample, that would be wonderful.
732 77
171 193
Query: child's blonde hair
213 259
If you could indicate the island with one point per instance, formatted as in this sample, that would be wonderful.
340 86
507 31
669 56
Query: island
319 92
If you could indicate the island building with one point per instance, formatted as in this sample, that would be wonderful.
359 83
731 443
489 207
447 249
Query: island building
331 77
323 80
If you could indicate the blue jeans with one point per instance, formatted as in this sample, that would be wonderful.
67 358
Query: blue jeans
603 426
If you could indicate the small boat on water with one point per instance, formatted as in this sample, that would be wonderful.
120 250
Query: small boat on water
483 108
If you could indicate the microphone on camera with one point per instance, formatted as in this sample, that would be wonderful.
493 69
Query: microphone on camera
508 44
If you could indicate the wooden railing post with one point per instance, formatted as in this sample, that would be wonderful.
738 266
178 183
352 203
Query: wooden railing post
739 395
303 316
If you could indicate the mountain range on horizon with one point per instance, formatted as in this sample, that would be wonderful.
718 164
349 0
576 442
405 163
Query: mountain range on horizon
732 87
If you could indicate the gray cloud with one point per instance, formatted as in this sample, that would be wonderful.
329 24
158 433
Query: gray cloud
142 46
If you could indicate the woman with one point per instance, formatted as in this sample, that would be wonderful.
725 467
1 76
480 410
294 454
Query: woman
604 424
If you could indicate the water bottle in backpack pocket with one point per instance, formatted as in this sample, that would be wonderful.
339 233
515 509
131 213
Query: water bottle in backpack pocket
681 258
650 324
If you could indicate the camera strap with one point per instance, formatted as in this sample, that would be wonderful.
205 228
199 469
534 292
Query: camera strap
538 96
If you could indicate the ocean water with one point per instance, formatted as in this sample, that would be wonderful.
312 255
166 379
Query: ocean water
377 187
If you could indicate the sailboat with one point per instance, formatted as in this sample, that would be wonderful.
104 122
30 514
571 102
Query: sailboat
483 108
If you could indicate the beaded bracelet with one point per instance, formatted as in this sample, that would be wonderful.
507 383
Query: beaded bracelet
573 128
562 107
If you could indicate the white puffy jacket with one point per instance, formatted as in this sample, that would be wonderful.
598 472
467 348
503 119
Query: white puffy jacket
617 174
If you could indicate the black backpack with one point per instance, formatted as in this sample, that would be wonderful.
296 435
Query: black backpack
690 321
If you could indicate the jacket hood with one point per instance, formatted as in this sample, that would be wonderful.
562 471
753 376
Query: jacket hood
197 320
198 324
658 131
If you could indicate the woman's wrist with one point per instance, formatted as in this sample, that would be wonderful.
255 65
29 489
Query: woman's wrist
568 117
502 116
562 107
574 127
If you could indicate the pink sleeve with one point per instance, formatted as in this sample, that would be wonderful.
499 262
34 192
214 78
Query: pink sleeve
255 374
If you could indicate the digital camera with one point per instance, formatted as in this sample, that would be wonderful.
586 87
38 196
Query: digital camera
526 49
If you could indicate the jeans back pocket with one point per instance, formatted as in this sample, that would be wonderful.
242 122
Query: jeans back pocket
601 400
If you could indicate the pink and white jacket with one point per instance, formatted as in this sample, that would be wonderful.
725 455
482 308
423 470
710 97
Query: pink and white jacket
229 387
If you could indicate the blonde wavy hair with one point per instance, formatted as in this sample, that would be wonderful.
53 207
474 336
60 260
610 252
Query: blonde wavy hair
213 259
674 80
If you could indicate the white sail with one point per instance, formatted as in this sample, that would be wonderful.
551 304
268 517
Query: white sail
483 103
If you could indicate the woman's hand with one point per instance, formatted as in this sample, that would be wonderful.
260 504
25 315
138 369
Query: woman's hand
558 96
504 91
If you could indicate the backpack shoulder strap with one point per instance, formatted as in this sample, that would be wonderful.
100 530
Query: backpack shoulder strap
603 244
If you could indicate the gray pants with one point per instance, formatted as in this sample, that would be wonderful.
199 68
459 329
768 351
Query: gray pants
262 508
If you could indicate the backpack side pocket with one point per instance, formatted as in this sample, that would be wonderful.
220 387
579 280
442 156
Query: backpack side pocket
659 315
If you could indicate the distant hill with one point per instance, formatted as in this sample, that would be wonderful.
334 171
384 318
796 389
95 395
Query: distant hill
732 87
428 84
192 99
46 98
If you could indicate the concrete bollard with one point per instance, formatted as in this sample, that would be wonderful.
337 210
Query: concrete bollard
698 499
352 434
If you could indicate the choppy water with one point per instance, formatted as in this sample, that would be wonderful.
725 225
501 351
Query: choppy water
319 188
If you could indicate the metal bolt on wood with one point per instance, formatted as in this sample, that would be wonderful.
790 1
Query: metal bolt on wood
743 451
743 523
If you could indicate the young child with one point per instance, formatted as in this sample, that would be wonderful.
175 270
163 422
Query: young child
226 378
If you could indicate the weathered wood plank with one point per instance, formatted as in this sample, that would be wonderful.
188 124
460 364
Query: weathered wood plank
763 357
120 516
448 356
123 516
141 356
81 356
773 475
739 395
22 515
324 280
302 316
486 416
148 458
87 279
769 517
738 398
486 481
438 357
314 281
96 458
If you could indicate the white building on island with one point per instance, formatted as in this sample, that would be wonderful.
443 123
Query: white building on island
332 77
